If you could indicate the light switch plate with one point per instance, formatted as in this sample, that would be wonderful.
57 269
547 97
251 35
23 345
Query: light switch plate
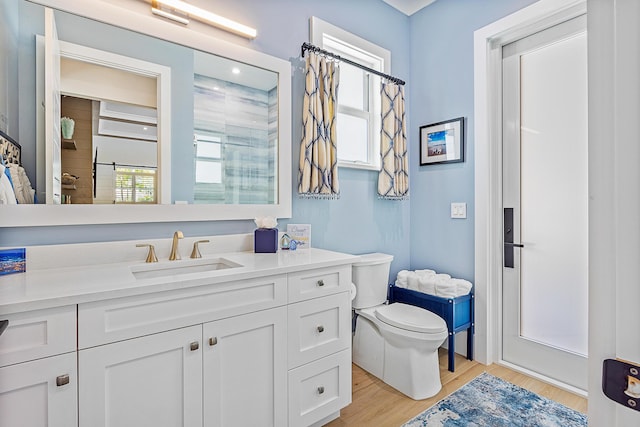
459 210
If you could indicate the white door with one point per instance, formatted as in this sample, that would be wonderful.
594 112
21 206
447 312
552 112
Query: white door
40 393
155 380
545 203
245 370
52 110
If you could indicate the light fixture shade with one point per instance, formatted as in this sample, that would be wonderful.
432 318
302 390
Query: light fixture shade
168 15
209 17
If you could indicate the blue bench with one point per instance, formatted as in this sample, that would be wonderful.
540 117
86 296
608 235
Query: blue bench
458 313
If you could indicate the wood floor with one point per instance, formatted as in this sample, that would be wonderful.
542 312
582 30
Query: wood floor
375 404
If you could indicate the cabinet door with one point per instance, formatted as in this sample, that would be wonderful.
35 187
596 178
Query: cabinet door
31 397
154 380
245 370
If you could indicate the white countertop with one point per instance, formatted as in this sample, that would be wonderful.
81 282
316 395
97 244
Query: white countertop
54 287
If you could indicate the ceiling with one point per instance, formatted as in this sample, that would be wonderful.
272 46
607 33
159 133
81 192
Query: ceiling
409 7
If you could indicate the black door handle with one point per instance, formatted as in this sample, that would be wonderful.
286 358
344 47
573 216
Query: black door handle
515 245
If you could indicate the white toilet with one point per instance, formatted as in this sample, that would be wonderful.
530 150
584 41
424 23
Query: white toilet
397 343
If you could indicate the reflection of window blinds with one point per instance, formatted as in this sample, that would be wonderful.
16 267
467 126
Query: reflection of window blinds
105 184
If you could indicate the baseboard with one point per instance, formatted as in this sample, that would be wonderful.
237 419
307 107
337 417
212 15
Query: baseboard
326 420
538 376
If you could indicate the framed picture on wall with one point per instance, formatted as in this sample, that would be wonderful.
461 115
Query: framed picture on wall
442 142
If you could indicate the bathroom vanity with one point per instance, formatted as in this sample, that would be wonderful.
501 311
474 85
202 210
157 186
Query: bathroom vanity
231 339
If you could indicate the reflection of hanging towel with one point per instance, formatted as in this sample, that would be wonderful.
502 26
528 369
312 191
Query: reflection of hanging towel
7 195
21 184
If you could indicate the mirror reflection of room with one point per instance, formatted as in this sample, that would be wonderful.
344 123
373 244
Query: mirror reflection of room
111 156
211 123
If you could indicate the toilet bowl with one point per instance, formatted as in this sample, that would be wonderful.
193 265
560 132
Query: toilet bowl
397 343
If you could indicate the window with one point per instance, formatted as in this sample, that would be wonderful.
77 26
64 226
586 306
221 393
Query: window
135 185
208 159
358 95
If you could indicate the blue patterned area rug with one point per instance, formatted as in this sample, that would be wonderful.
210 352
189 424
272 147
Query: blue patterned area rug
488 401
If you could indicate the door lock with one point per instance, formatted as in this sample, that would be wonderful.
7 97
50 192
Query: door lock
508 238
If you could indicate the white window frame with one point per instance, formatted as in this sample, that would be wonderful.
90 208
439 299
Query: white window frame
133 171
218 160
330 37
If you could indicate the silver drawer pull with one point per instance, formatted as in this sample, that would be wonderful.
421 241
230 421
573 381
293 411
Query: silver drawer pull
194 346
320 329
320 389
320 282
213 341
62 380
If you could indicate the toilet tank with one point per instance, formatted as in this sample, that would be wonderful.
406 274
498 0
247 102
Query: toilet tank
370 274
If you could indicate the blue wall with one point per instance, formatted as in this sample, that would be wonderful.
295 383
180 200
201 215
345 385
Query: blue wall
442 89
433 51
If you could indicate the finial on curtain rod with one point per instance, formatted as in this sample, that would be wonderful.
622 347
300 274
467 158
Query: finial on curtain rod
316 49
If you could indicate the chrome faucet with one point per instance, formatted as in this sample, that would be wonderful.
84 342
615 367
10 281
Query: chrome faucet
174 246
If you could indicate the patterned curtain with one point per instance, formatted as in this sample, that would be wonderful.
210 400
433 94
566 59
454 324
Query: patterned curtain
393 179
318 169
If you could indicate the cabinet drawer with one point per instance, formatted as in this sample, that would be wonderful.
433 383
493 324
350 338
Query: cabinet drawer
319 389
36 334
123 318
308 284
319 327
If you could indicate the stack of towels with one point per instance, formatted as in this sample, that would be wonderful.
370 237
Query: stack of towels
430 282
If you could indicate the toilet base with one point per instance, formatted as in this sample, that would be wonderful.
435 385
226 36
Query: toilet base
414 373
411 369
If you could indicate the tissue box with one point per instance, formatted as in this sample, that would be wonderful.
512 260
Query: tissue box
265 240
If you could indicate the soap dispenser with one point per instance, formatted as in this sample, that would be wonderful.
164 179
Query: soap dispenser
285 242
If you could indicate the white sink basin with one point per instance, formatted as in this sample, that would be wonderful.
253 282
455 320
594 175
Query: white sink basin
172 268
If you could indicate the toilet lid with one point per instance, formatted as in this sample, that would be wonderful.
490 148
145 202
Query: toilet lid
411 318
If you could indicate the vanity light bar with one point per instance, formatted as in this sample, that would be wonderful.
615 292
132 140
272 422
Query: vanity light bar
205 16
168 15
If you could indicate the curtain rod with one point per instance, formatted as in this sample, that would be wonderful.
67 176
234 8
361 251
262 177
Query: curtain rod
114 164
316 49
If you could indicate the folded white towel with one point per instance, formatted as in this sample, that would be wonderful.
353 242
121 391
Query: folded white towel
463 287
444 287
425 272
412 281
401 279
427 284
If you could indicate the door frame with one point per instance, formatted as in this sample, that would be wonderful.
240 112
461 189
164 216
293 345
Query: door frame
488 42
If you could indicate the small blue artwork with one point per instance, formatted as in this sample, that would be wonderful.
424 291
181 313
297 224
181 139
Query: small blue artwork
13 261
437 142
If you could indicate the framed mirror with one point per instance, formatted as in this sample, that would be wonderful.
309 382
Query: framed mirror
169 124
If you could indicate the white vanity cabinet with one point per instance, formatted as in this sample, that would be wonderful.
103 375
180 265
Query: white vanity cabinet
245 370
155 380
319 345
267 345
229 371
38 381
